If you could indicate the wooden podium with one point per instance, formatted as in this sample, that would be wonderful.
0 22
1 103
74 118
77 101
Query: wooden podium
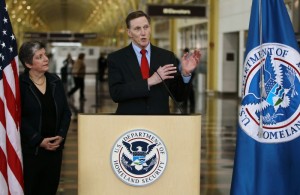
97 135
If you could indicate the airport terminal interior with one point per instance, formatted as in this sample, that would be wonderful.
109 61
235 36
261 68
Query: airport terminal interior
97 27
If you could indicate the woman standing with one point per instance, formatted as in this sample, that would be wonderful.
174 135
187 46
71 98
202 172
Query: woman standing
45 120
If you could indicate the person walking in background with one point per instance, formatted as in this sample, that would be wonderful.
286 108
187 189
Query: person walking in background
78 72
65 71
52 63
138 73
102 65
45 119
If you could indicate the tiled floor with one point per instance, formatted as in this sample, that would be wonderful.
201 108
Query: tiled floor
219 119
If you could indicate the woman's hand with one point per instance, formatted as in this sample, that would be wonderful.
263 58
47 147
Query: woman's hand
51 143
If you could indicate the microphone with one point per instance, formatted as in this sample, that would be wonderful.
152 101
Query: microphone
177 104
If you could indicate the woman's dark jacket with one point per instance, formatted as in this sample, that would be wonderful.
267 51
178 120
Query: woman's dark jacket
32 112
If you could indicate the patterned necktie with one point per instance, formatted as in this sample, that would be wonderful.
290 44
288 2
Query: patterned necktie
144 65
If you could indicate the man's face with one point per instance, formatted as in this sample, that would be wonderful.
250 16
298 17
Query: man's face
140 31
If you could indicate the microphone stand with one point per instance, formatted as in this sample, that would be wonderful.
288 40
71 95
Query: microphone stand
177 104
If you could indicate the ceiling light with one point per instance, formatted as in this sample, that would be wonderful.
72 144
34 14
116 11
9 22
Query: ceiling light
63 44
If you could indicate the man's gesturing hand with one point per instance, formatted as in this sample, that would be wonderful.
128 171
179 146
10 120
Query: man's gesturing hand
162 73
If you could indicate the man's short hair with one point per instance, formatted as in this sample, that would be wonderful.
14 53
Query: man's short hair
134 15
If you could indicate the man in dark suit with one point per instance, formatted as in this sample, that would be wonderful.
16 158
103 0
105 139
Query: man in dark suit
136 93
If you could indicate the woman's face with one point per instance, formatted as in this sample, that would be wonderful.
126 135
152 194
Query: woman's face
39 62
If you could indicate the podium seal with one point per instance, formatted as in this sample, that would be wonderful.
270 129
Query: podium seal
139 157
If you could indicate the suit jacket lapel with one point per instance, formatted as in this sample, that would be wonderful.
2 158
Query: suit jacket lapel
132 62
154 59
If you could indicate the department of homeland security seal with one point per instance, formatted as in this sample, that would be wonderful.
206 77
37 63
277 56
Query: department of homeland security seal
273 100
139 157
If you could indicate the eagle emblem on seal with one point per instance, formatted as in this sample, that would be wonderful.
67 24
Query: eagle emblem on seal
275 91
139 155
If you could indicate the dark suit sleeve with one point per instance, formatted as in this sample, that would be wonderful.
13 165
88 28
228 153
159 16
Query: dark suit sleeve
123 84
29 133
178 88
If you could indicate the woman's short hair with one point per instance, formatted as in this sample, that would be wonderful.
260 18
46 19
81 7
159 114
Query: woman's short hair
134 15
27 50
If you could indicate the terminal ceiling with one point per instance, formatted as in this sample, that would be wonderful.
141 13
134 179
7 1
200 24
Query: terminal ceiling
104 17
